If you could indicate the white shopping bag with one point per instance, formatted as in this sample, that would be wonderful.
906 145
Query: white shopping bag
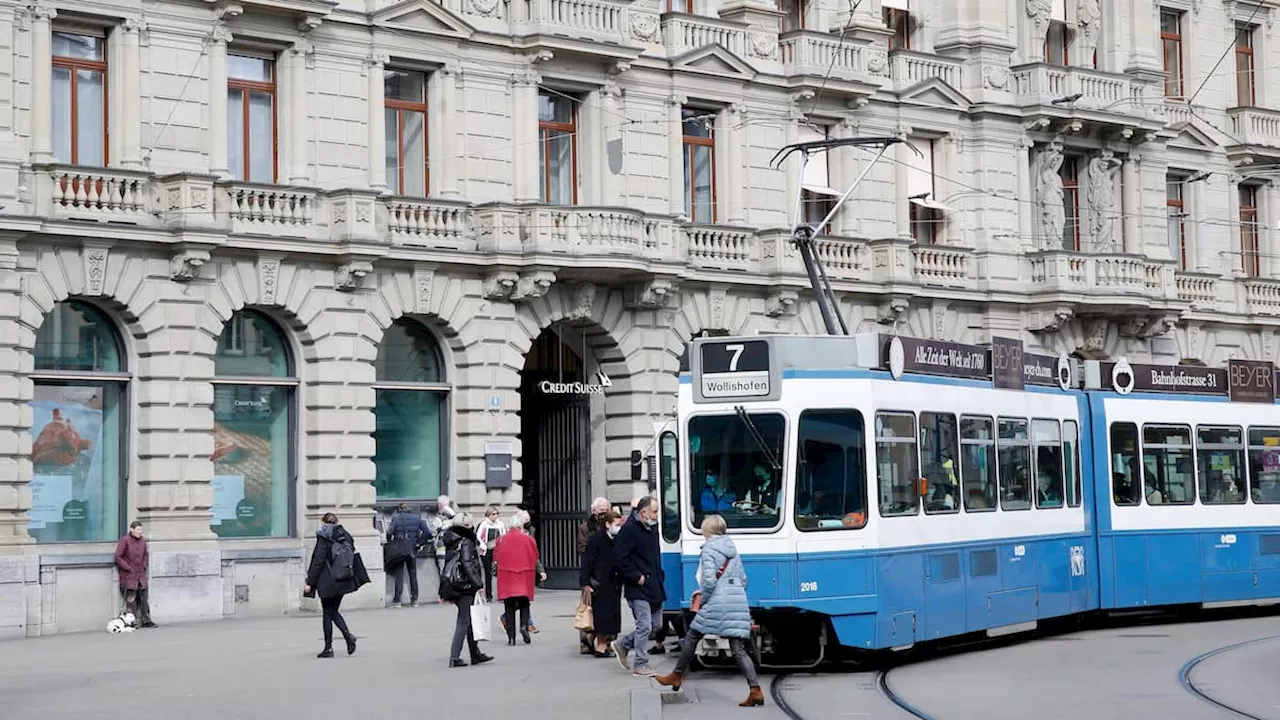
481 619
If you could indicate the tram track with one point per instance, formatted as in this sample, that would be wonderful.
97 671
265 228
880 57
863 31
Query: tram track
882 685
1186 679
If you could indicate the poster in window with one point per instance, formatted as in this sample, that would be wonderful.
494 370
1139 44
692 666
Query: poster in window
228 491
66 455
250 436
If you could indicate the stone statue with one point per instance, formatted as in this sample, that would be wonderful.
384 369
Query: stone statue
1053 216
1040 12
1100 198
1088 25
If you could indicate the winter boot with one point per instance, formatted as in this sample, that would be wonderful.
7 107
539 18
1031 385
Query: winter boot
754 699
672 680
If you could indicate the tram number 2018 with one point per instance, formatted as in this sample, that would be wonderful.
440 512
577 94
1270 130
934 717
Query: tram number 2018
806 587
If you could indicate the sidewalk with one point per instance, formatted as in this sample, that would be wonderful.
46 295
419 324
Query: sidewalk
266 669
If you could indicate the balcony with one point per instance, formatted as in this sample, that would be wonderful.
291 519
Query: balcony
807 56
1058 271
273 210
719 247
1262 297
595 27
105 195
908 69
942 266
1198 289
427 223
1041 84
1255 126
685 33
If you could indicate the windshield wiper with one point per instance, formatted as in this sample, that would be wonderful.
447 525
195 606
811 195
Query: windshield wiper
755 435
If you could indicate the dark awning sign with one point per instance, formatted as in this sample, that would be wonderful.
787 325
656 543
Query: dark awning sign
1007 363
1125 378
1251 381
935 357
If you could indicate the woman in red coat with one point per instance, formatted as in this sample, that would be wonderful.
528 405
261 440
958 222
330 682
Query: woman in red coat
516 556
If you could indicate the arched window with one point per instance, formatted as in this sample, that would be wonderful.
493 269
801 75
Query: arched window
253 429
78 427
410 408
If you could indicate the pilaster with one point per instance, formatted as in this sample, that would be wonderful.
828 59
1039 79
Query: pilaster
299 130
375 65
130 97
218 40
42 16
1131 191
675 154
15 412
445 165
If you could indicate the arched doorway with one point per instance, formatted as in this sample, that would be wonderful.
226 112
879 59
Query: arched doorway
555 436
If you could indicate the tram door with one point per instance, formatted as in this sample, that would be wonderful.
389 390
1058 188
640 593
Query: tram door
668 481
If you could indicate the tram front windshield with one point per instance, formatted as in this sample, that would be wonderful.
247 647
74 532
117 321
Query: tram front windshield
735 468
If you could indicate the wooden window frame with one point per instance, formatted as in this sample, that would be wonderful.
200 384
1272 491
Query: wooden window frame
1070 174
1246 54
698 141
1249 245
99 66
400 107
1176 39
784 10
926 216
545 128
898 19
1179 203
1059 27
688 6
247 87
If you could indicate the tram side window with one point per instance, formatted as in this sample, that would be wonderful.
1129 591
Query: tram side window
1168 468
831 476
1014 451
1126 484
1264 464
1046 437
939 447
897 464
1071 458
978 463
1220 461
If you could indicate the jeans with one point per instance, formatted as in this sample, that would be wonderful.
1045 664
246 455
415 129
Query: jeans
514 605
333 617
462 630
411 565
648 616
487 561
736 645
136 602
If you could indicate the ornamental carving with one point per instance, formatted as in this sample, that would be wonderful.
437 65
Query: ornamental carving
533 285
763 45
95 270
650 295
716 301
351 275
781 302
893 311
268 279
1050 320
185 266
423 278
499 285
995 77
878 62
485 8
584 301
644 27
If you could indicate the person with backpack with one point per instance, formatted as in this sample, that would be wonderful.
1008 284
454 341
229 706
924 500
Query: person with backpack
407 533
335 571
460 579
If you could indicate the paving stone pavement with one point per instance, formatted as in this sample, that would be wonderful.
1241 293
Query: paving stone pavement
266 669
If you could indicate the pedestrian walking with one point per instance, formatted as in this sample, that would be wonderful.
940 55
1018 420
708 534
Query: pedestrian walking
335 571
586 530
517 558
638 555
460 580
406 535
133 562
539 572
599 580
724 611
488 533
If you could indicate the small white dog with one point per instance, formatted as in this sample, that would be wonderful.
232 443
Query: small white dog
124 623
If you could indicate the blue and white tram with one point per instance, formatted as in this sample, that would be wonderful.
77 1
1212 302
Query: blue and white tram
876 509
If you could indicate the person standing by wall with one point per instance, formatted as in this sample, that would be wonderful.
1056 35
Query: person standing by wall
490 530
638 555
407 533
725 613
133 561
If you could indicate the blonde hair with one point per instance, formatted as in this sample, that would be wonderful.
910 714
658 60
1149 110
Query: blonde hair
713 525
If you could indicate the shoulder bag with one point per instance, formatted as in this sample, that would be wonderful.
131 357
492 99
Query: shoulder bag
695 603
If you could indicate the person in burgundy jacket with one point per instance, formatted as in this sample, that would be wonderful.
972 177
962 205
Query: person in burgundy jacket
517 559
132 561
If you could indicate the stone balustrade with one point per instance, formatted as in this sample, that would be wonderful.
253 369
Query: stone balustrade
423 222
1255 126
1041 84
682 33
598 20
908 69
275 210
1109 274
96 194
943 266
810 53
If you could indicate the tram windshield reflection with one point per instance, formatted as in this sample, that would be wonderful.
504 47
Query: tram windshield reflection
731 472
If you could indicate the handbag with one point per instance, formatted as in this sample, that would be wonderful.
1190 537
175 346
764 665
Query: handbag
583 618
695 602
396 551
481 620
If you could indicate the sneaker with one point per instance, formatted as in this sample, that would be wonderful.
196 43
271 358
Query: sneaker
644 671
533 628
620 653
413 603
394 604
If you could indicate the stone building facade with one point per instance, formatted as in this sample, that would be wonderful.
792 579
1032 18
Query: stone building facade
266 259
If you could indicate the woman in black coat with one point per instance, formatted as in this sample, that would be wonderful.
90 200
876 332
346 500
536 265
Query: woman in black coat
320 582
598 577
461 585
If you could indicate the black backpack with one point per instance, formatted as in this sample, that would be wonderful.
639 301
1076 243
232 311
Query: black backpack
342 559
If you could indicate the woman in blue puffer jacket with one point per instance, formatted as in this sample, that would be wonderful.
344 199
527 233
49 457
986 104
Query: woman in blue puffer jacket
724 613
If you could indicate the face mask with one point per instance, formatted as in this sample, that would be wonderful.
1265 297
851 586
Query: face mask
650 522
614 530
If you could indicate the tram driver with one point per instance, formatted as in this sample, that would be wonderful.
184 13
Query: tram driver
715 497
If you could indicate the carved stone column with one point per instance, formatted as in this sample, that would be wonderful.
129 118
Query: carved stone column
735 212
1145 22
524 134
15 413
675 154
299 130
610 133
130 97
1026 211
1203 259
444 168
218 100
1235 246
41 83
1131 192
901 180
376 63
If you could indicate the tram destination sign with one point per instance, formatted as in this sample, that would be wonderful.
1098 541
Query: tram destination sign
1181 379
1251 381
935 357
735 369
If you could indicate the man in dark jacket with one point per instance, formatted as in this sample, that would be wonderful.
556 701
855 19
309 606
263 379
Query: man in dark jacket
638 555
406 534
132 560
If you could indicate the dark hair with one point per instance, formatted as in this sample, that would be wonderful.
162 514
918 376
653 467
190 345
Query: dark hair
135 524
403 507
609 516
645 502
329 519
